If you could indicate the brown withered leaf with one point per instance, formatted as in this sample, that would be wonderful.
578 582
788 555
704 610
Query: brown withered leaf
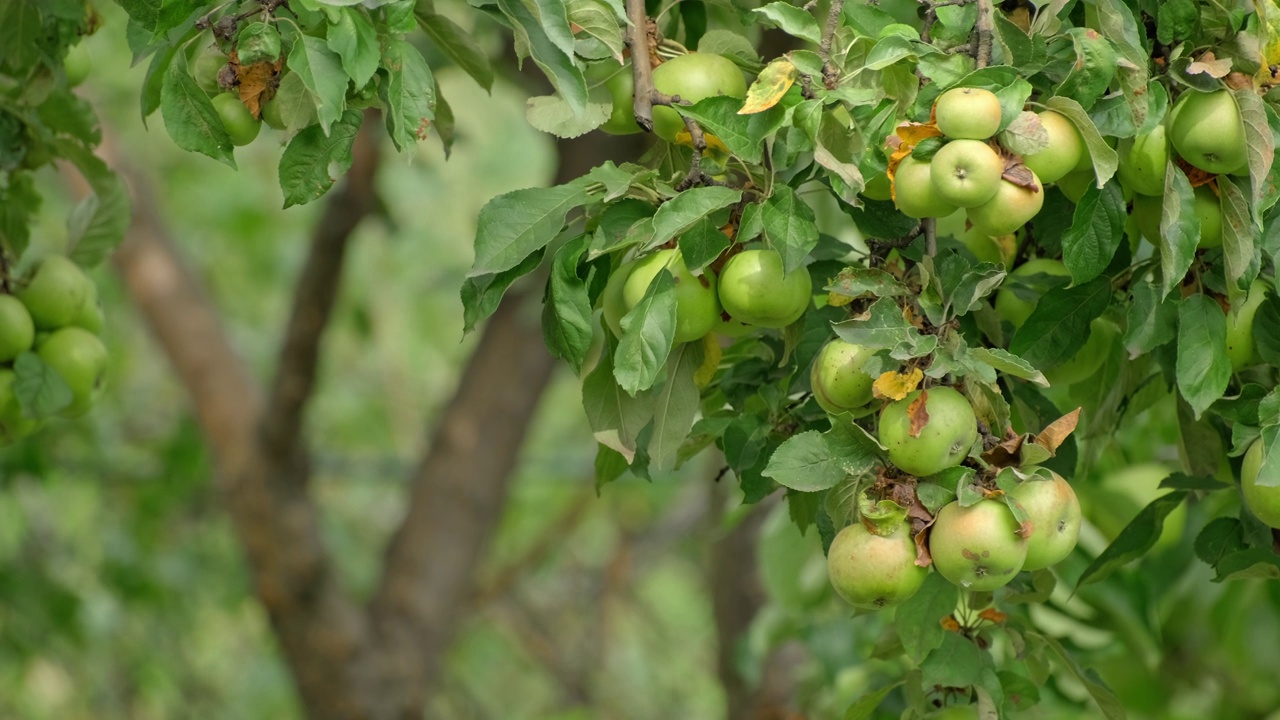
904 140
918 413
1239 81
895 385
1021 16
255 83
1209 64
1019 174
950 624
1195 175
923 558
993 615
1057 432
1005 454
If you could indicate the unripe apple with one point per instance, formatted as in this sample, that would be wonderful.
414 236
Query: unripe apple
966 173
1209 210
55 293
17 331
838 380
206 67
1262 501
1090 356
91 317
80 358
13 424
871 571
697 309
877 187
1014 309
998 250
612 304
1063 153
1074 184
754 289
1242 350
1120 495
77 64
979 547
1146 214
241 125
1143 162
1011 208
916 196
968 113
1207 131
943 442
1054 511
694 76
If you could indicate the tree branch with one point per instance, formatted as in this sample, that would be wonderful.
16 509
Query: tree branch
830 76
314 296
984 29
637 38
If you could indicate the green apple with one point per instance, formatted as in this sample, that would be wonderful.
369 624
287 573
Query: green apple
17 331
611 301
1063 153
77 64
55 292
90 316
877 187
80 358
241 125
1262 501
272 115
1119 496
898 30
1102 337
1054 511
837 378
697 310
1207 131
1074 184
1143 162
968 113
999 250
1241 348
953 225
618 81
754 290
966 173
979 547
943 442
1015 305
1209 210
914 192
13 424
1146 214
1011 208
872 571
206 67
693 77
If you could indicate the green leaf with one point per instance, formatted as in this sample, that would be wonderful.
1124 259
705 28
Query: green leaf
551 114
682 211
190 118
1104 157
648 333
1219 538
1254 563
918 620
408 96
1093 70
675 405
320 70
482 293
297 104
313 161
550 54
610 464
1238 233
791 20
513 225
789 226
1260 147
744 135
1009 364
702 243
596 19
1266 330
1107 702
1203 369
153 82
456 43
856 282
957 662
567 324
1059 325
1096 231
805 462
1138 537
1117 23
40 390
1176 20
883 327
1152 319
616 418
99 222
1179 228
258 42
20 27
865 707
352 36
730 44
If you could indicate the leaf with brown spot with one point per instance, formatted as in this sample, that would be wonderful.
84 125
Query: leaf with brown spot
918 413
895 385
770 85
1057 432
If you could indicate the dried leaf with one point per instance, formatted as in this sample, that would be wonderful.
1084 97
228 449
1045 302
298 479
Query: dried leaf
1020 175
1208 64
255 83
1056 433
918 413
923 558
1006 453
993 615
905 138
949 624
1194 174
770 85
895 385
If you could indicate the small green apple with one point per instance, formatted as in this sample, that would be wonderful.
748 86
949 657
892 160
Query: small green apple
1209 210
1143 162
1207 131
55 292
80 358
1102 337
966 173
613 305
754 290
968 113
914 192
1011 304
877 187
77 64
943 442
1074 184
618 80
998 250
1115 500
1241 347
1063 153
241 125
206 67
1262 501
837 378
694 76
872 571
979 547
1146 214
1012 207
1054 511
13 424
697 309
17 331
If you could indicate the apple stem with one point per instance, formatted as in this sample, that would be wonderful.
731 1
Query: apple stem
830 76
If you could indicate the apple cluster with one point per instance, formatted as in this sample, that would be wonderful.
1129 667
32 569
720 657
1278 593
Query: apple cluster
981 546
53 311
751 291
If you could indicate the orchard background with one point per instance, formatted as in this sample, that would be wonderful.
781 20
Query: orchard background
887 265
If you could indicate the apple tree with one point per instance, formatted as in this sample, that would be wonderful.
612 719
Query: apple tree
914 269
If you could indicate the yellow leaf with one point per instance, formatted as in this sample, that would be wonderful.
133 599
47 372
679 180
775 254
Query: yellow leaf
838 300
903 141
1269 17
772 83
896 385
715 146
711 354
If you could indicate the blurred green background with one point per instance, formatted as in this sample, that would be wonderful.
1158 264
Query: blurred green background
124 595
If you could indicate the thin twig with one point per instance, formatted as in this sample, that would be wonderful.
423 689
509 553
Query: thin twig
930 227
984 29
830 76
